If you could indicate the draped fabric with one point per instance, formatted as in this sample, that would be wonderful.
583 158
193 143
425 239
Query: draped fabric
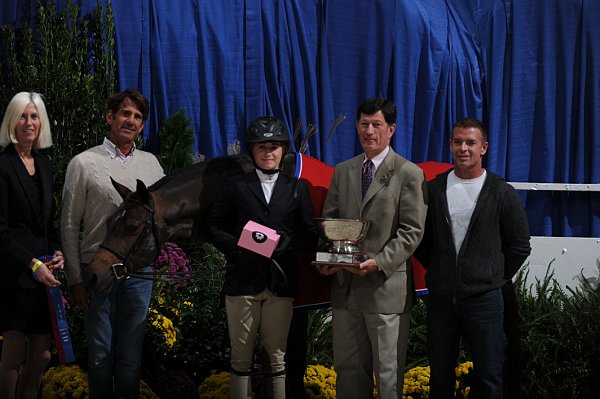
530 69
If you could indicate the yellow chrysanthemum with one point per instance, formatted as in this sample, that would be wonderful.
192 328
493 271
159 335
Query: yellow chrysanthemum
165 326
319 383
463 369
70 381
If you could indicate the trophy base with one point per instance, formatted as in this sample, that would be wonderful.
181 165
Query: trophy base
339 259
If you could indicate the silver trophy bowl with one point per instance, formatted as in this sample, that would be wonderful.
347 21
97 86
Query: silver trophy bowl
344 234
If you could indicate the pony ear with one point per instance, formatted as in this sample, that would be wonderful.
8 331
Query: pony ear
142 191
288 164
121 189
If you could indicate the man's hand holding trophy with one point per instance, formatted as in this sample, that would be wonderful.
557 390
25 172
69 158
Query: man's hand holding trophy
342 237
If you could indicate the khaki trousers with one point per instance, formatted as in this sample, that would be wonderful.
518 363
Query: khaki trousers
367 344
263 314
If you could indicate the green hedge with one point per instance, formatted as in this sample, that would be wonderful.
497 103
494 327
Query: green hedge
69 59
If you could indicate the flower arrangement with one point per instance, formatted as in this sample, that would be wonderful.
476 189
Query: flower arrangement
185 328
319 383
70 381
416 381
166 304
184 333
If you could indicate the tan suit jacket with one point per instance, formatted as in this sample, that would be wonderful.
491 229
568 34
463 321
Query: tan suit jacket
396 206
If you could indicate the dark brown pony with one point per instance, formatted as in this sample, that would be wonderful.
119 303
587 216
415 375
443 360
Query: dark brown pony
174 208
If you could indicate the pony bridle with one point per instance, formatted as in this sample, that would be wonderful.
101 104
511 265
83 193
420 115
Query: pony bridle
120 270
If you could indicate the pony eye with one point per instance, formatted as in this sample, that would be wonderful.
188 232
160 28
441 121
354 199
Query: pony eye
131 228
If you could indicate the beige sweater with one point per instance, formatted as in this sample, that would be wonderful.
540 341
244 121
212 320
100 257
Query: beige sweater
89 199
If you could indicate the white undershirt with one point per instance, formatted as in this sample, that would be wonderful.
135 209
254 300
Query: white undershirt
267 183
462 197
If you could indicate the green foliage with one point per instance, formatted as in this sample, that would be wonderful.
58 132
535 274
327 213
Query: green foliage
416 353
561 356
176 141
69 59
319 344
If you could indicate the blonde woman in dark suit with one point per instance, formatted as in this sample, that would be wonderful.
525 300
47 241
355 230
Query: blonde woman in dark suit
26 233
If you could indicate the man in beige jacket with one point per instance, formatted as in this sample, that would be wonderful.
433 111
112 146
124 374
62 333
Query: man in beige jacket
372 302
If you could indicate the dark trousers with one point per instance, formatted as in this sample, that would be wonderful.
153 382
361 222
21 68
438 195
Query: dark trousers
295 355
479 319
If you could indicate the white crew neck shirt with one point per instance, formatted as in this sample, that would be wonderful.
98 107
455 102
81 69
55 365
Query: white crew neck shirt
462 195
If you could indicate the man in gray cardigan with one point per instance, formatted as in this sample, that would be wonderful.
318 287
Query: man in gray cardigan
371 302
476 238
115 323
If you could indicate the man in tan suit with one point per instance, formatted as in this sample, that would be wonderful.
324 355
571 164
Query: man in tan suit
372 301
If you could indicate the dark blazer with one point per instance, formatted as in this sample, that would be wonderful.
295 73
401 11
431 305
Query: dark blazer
289 212
493 250
26 219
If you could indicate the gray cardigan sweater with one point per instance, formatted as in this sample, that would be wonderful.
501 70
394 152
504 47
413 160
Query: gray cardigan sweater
494 248
90 198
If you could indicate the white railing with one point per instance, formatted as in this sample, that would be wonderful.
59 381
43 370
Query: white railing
573 256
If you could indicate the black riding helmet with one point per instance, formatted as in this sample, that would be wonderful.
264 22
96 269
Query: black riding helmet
267 129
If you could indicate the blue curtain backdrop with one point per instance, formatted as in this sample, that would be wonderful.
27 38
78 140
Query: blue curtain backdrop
530 69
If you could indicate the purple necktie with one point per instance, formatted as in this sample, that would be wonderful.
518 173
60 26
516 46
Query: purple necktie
367 176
